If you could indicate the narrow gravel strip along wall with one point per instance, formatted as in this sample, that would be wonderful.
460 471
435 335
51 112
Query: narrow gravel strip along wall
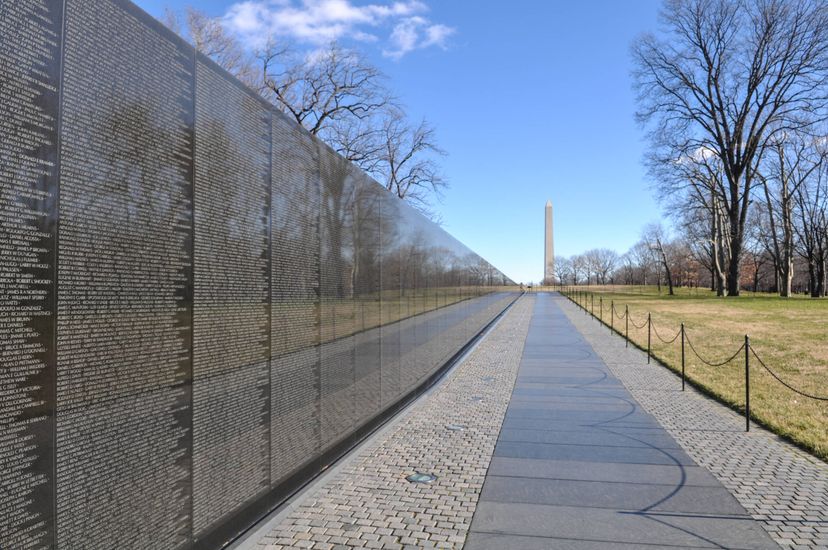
369 503
784 488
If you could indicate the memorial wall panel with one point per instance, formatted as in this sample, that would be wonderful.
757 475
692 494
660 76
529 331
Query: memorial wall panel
338 193
231 293
295 319
394 300
367 297
201 304
29 80
124 282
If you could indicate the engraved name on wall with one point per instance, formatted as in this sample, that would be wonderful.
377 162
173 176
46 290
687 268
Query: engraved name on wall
231 319
125 260
29 76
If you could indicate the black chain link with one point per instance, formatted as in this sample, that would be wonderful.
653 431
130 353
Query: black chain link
708 363
644 324
666 341
800 392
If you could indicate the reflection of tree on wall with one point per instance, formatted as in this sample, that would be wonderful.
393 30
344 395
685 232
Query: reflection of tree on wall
411 256
135 165
295 262
366 231
224 153
337 207
125 196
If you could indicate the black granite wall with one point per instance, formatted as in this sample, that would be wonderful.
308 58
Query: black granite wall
200 304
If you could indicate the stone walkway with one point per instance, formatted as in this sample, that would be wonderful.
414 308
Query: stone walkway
782 487
580 465
369 503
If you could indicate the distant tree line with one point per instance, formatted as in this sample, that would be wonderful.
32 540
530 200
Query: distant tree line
682 260
336 94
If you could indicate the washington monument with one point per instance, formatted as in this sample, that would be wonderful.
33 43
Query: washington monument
548 248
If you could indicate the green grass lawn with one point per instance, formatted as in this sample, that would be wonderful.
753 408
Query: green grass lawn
789 334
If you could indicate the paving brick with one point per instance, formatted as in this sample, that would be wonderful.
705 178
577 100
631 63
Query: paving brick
370 504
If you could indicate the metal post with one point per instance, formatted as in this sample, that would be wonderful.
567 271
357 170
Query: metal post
592 304
682 357
627 327
612 314
649 330
601 309
747 383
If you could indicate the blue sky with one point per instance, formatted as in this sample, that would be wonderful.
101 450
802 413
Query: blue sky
531 100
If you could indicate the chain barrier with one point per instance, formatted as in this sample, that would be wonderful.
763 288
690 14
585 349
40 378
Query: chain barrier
644 324
795 390
709 363
662 339
745 348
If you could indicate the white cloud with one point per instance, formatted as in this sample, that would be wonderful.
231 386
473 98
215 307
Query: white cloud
413 33
436 35
317 22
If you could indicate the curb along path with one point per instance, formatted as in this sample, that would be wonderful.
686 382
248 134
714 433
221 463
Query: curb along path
781 486
369 503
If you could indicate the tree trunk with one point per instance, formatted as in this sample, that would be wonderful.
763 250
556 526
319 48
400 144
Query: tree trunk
813 276
786 276
713 278
787 243
755 277
719 257
734 269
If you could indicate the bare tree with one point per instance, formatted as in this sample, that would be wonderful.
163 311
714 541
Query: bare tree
563 268
811 227
323 90
580 267
792 162
642 257
628 268
209 37
590 259
407 163
654 236
728 77
693 197
339 96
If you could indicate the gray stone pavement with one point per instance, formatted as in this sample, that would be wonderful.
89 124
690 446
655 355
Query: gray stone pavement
579 464
781 486
369 504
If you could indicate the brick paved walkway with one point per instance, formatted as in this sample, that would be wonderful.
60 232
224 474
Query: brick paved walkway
786 489
369 503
